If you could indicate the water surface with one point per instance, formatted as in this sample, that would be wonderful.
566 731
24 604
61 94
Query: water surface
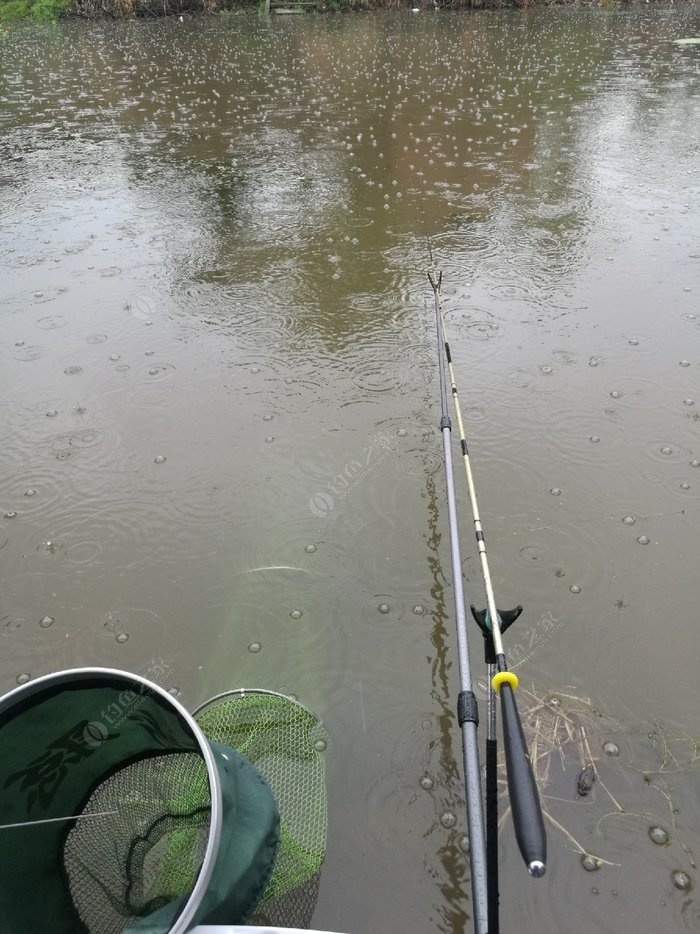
219 403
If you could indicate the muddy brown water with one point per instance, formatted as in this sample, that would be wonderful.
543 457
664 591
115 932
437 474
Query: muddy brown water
220 463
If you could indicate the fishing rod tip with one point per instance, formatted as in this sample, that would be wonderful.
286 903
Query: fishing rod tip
536 868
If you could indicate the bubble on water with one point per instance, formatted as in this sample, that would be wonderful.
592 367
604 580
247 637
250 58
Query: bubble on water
30 492
310 549
401 433
658 835
611 749
73 370
269 439
255 369
254 647
666 450
46 621
51 413
384 608
684 363
23 677
448 819
634 342
122 637
685 485
555 491
590 863
689 402
174 691
546 369
267 417
11 514
50 547
681 880
463 843
320 745
594 361
695 463
575 588
594 439
629 520
296 614
643 539
159 459
616 394
115 356
19 343
419 610
426 783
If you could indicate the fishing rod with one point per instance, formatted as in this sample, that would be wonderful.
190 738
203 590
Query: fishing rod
522 789
467 712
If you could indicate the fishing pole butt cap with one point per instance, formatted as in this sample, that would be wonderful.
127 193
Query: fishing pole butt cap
536 868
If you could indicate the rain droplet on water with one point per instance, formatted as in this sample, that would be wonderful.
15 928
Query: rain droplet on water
629 520
594 439
666 450
419 610
46 621
384 608
575 588
681 880
310 549
254 647
658 835
590 863
448 819
616 394
23 678
159 459
296 614
426 783
320 745
555 491
122 637
611 749
643 540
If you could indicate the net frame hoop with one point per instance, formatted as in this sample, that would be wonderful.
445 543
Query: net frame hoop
37 685
244 692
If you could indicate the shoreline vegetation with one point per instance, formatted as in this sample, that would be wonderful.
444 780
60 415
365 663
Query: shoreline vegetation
52 10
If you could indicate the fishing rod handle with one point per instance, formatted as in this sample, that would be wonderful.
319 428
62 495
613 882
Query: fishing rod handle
522 788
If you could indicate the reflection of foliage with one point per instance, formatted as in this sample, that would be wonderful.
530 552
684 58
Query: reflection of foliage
42 10
568 740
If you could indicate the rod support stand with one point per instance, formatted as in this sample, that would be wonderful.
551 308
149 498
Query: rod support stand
506 619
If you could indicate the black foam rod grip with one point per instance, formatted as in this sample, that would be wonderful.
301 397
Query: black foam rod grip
522 789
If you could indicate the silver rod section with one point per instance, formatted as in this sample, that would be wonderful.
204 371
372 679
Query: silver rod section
470 748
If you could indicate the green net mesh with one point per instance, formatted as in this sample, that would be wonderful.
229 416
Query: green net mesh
145 847
285 742
107 808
